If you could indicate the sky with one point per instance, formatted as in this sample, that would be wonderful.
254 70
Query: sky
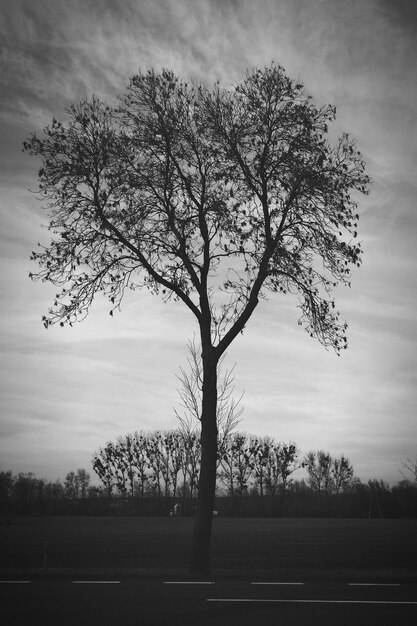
64 392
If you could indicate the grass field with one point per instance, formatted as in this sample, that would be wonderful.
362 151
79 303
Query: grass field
241 547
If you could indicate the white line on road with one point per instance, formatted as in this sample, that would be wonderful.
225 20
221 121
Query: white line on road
374 584
399 602
95 582
15 582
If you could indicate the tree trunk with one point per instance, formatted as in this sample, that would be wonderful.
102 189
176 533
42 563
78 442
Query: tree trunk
200 556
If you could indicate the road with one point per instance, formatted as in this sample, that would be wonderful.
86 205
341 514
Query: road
51 602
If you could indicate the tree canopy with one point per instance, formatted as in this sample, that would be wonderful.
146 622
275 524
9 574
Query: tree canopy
212 196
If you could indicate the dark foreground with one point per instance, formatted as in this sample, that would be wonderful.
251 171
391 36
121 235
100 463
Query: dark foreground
242 548
142 603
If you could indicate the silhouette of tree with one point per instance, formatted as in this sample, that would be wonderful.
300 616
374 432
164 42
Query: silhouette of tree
319 466
211 197
409 469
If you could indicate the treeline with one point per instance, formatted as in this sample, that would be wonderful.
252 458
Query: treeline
26 494
255 476
156 473
166 463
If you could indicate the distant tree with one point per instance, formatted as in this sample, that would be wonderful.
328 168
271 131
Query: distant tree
261 449
286 455
327 474
379 485
54 491
71 486
405 498
318 466
6 485
229 409
83 479
103 465
236 465
126 447
140 460
282 461
76 484
212 197
154 443
377 488
409 469
342 474
175 453
26 486
168 460
190 459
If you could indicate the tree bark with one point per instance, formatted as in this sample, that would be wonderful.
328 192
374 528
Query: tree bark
200 555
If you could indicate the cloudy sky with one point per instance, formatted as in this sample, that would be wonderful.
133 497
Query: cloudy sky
65 392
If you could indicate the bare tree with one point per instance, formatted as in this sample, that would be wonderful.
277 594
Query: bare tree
229 409
342 473
236 464
141 461
287 455
71 486
409 469
103 465
213 197
261 454
318 466
83 478
154 453
189 461
327 474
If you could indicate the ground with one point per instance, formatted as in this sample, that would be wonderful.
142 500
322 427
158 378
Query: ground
242 548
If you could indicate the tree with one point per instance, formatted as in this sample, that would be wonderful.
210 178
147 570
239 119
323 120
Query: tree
327 474
126 447
140 460
6 486
76 484
285 462
25 486
318 466
103 465
342 473
213 197
409 469
190 460
261 449
228 410
236 463
71 486
54 491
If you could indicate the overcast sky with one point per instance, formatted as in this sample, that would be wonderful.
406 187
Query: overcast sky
65 392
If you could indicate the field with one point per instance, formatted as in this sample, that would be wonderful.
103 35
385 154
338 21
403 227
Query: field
241 547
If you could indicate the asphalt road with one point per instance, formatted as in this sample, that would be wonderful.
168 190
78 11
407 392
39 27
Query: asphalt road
141 603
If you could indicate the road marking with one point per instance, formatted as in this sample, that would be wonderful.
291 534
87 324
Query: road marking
374 584
188 582
272 583
96 582
15 582
399 602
